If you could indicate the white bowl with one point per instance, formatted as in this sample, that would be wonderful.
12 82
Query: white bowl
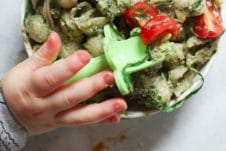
133 114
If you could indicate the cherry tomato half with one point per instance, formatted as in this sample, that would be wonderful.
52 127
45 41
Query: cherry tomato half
158 27
209 25
139 14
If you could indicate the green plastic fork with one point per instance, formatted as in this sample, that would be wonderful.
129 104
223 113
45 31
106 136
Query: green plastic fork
123 57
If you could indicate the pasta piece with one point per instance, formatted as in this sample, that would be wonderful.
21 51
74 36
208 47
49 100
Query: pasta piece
37 29
95 45
177 73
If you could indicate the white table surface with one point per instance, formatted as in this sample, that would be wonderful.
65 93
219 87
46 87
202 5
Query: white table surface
200 125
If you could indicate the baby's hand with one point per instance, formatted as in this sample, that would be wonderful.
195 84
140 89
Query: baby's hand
38 97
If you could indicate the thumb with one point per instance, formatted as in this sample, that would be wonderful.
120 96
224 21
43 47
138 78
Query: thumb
48 52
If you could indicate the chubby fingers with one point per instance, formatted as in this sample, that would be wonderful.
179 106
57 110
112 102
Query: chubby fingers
102 113
46 79
70 96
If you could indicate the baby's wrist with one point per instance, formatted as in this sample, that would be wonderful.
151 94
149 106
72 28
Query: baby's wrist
12 133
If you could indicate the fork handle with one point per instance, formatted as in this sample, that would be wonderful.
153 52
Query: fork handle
95 65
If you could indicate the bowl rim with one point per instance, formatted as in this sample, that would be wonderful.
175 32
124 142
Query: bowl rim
130 113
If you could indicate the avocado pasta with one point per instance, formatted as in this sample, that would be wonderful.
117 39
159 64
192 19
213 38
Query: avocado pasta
80 24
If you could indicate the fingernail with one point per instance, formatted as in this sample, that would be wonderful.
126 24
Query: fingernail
52 40
118 108
109 78
83 56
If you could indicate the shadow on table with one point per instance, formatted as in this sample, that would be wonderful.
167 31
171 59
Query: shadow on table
133 135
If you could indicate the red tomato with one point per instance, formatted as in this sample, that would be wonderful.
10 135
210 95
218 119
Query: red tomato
139 14
158 27
209 25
